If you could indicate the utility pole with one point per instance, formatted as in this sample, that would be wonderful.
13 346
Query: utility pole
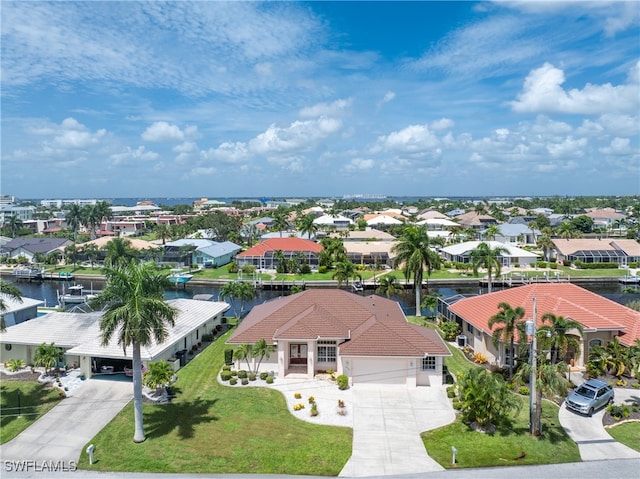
533 406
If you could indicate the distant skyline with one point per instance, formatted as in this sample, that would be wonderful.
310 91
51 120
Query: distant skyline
284 99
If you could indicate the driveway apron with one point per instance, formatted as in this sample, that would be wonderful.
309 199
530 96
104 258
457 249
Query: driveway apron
387 422
594 443
60 434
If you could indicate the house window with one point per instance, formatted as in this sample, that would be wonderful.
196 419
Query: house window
327 352
470 328
429 363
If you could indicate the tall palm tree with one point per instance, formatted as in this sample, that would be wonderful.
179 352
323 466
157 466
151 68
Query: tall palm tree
507 317
261 350
136 313
71 254
307 227
555 337
491 232
484 256
47 356
119 251
345 270
162 231
280 222
73 218
389 286
91 251
92 216
546 243
9 291
566 230
14 224
414 254
238 293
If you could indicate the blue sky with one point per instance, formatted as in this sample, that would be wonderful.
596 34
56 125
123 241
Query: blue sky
121 99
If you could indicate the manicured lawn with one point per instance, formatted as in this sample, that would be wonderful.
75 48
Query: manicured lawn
210 428
507 446
627 433
35 400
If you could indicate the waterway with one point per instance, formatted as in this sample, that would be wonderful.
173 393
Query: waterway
47 291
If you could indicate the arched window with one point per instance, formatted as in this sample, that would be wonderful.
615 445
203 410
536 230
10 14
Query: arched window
595 342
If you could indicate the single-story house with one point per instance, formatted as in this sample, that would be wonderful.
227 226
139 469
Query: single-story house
432 215
207 253
262 256
371 253
19 311
514 234
380 220
29 247
368 234
598 250
475 220
333 221
366 338
437 224
78 334
601 318
461 253
605 216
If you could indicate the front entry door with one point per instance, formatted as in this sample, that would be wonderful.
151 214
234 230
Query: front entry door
297 354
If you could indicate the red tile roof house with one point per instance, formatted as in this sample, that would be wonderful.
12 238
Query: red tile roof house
601 318
366 338
262 255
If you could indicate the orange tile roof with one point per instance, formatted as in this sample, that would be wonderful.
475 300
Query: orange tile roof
593 311
284 244
372 325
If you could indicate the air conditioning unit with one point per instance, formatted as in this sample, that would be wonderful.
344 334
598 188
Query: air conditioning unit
462 341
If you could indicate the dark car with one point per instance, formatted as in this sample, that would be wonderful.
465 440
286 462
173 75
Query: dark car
590 396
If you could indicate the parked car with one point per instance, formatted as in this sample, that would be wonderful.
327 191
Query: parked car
590 396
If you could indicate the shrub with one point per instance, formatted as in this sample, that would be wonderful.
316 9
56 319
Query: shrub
15 365
234 373
228 357
305 269
226 367
297 395
233 381
566 262
479 358
242 374
541 264
553 265
633 264
245 381
457 404
252 377
269 379
343 382
314 409
621 383
450 329
322 269
298 407
225 375
264 375
451 391
312 400
233 267
618 411
594 370
524 390
636 385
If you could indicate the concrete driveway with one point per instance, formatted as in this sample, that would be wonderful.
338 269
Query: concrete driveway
593 441
61 434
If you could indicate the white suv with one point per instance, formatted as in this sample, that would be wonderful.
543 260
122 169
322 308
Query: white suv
590 396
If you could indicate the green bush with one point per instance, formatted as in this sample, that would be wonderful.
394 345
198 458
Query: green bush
225 375
242 374
451 392
234 373
248 269
264 375
594 370
233 381
633 265
226 368
343 382
233 267
305 269
566 262
450 329
541 264
269 379
252 377
598 265
228 357
524 390
457 404
322 269
635 385
15 365
618 411
553 265
245 381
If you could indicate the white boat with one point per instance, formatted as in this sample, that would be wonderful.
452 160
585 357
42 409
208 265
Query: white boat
357 286
26 272
179 277
630 279
74 295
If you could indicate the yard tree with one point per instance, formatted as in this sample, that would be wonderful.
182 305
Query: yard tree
430 303
120 252
546 243
244 352
135 312
346 270
413 254
91 251
158 375
261 350
507 319
238 293
556 338
47 356
389 286
73 218
307 227
484 256
9 291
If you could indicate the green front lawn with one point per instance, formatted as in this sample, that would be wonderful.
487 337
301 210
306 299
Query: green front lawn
511 445
627 433
210 428
35 400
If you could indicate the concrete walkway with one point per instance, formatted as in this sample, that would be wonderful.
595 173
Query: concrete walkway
593 440
387 422
61 434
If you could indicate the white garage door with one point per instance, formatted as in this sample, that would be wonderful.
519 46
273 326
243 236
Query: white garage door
382 371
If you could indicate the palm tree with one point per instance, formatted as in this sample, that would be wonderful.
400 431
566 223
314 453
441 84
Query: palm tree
74 218
307 227
484 256
91 251
346 270
238 293
261 350
566 230
555 337
162 232
158 375
92 216
546 243
71 254
508 317
413 252
9 291
280 222
119 252
47 355
136 312
491 232
430 302
244 351
14 224
389 286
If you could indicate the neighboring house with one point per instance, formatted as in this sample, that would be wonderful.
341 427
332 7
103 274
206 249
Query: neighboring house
515 234
19 311
475 220
23 213
598 250
371 253
206 253
461 253
338 222
366 338
50 226
78 334
605 217
287 234
369 234
121 227
262 256
601 318
437 224
29 247
432 215
136 244
382 220
266 221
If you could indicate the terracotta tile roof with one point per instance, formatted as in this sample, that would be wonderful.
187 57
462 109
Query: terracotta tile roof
372 325
284 244
593 311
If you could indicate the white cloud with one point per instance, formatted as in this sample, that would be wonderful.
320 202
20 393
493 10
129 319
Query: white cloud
618 146
133 156
542 92
410 140
299 136
442 124
335 108
161 131
568 148
228 152
358 165
186 147
389 96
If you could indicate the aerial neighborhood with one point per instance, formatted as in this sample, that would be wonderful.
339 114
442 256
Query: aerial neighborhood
358 294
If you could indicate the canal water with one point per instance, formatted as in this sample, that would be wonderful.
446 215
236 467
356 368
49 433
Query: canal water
48 291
